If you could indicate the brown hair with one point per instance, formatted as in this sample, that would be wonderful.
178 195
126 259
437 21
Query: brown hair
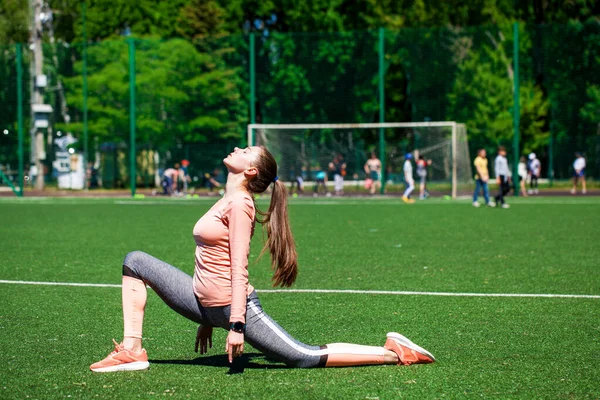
280 242
501 148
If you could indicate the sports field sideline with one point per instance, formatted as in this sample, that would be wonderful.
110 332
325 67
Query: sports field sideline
507 300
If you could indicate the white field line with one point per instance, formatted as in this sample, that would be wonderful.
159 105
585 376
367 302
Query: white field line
341 291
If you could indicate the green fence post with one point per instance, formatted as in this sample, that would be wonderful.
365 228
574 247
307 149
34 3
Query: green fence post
551 158
252 56
516 106
131 43
20 114
382 105
85 89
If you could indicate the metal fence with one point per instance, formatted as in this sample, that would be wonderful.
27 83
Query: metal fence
133 107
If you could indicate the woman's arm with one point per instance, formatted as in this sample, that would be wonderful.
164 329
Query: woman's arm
241 220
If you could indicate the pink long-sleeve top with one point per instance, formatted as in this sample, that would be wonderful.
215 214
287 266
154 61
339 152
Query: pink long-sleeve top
222 238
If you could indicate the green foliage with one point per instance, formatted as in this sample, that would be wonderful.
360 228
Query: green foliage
199 18
173 80
14 21
482 95
317 62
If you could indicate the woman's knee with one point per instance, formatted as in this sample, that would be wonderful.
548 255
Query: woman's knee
133 262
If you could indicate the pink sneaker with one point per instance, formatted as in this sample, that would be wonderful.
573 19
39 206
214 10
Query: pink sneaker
122 359
408 352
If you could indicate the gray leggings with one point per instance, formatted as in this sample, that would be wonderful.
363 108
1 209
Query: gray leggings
175 287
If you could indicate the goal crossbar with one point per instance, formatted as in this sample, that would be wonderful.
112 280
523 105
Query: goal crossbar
450 124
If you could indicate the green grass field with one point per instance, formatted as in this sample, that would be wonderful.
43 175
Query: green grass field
486 346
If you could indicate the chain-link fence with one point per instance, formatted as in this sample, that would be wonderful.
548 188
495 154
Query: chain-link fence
141 105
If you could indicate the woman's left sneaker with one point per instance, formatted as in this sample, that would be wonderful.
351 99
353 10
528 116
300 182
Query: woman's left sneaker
122 359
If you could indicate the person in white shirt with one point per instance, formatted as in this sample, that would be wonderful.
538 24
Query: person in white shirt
579 173
502 176
535 169
408 178
522 171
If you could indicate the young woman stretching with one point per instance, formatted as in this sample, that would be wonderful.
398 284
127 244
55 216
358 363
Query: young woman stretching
219 293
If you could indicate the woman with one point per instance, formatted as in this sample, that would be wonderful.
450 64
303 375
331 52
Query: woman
219 293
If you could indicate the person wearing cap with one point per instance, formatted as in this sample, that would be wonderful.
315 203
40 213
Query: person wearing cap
408 178
535 169
482 177
579 173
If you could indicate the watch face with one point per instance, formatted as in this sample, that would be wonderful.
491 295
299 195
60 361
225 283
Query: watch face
237 326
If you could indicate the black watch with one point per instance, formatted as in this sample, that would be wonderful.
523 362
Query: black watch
238 327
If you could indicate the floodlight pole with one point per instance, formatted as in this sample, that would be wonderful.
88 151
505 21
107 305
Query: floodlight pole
516 107
382 106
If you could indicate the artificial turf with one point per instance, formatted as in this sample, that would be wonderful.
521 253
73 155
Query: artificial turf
499 347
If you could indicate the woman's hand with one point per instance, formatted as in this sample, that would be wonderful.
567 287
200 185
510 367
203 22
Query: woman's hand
234 345
204 338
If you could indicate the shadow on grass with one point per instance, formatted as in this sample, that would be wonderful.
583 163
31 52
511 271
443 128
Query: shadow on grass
221 361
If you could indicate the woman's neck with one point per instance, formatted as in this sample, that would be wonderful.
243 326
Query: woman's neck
235 183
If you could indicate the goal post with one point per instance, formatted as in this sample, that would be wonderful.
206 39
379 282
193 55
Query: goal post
309 147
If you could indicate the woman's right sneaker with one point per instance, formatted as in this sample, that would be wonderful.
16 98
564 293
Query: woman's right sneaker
408 353
122 359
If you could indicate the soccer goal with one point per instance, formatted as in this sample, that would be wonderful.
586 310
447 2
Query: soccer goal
305 149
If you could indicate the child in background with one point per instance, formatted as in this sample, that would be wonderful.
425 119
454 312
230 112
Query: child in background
408 178
579 173
522 171
535 169
321 180
422 165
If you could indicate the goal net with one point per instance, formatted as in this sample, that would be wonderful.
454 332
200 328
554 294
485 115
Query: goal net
307 149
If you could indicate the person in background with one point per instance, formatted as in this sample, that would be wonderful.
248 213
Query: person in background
522 171
169 181
212 181
579 173
422 165
408 178
184 175
373 172
321 180
297 179
535 170
33 173
502 176
219 293
338 168
482 177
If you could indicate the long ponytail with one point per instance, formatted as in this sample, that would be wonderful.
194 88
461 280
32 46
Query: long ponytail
280 242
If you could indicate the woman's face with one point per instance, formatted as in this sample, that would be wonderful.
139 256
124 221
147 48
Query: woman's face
239 160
